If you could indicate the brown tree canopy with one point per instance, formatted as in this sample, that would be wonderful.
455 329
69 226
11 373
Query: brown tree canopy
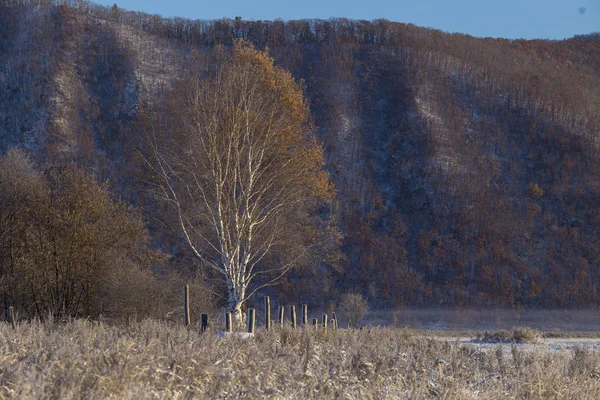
64 242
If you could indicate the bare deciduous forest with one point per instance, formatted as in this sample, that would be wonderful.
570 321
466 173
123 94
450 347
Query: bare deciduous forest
465 169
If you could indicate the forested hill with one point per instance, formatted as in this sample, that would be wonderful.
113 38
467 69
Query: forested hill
467 169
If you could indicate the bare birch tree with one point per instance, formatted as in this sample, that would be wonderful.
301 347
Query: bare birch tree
236 159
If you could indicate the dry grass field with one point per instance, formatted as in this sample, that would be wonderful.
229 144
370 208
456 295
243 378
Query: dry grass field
156 360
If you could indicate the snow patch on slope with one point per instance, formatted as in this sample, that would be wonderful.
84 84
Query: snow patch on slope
63 100
445 158
156 62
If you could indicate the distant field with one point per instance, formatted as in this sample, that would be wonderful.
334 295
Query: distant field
151 359
585 320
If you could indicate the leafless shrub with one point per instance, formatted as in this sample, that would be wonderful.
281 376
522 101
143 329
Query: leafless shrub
526 335
517 335
354 307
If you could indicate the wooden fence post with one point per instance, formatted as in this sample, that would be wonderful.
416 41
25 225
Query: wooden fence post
11 316
267 312
316 323
334 320
293 316
203 323
324 321
228 323
305 314
281 309
251 317
186 305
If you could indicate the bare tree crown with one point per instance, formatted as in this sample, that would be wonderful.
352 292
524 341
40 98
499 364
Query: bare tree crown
241 168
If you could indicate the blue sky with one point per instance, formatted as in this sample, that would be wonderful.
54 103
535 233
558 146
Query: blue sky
546 19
